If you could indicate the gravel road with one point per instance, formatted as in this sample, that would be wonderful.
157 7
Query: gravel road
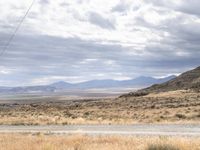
141 130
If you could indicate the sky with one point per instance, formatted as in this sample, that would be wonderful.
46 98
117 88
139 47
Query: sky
80 40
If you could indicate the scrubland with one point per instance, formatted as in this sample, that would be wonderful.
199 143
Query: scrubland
168 107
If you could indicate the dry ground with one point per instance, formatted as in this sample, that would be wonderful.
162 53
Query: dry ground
170 107
80 142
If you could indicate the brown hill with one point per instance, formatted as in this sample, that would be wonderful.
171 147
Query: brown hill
189 80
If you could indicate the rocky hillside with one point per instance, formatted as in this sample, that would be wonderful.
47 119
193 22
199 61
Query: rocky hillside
185 81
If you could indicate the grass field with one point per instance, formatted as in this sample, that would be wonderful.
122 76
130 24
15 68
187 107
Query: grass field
81 142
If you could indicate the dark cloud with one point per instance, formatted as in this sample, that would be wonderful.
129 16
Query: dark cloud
121 7
100 21
64 4
190 7
184 6
44 2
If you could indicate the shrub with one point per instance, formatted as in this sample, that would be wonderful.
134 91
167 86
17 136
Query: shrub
135 94
162 147
180 116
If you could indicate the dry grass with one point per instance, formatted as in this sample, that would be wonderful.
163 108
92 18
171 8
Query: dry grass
170 107
80 142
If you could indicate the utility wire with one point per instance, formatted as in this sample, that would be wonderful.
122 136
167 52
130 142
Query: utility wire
5 47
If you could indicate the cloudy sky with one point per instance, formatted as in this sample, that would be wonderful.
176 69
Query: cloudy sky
79 40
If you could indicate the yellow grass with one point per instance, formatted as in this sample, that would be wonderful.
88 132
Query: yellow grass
80 142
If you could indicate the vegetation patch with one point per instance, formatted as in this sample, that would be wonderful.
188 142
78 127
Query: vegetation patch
162 147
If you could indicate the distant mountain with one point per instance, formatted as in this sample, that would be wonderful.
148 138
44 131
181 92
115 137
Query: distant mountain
188 80
28 89
61 85
143 81
93 84
98 84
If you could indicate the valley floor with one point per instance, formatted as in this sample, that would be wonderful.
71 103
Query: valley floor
170 107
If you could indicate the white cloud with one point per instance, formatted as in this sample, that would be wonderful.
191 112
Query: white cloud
6 71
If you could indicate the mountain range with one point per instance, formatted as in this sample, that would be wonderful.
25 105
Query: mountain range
139 82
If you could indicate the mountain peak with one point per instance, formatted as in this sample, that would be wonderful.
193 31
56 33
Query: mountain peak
61 85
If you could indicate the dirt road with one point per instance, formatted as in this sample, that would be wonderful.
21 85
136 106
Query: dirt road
141 130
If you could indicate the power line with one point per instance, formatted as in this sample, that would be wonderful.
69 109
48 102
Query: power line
5 47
